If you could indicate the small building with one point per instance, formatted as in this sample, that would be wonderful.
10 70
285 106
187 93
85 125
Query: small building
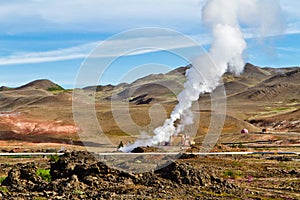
185 140
244 131
179 140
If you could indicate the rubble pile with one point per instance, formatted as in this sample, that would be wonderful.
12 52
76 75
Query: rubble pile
79 175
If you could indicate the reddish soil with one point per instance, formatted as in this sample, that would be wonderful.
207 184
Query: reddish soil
21 125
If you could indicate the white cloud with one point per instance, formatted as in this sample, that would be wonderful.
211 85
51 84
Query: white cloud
112 48
292 15
98 15
291 9
116 47
288 49
48 56
111 16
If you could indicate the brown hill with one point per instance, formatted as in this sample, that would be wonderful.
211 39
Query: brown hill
62 99
41 84
256 94
12 99
155 89
279 87
288 121
292 76
32 93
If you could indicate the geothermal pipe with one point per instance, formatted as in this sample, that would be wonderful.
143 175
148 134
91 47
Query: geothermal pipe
160 153
30 154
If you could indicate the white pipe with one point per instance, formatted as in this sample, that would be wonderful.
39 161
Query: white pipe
30 154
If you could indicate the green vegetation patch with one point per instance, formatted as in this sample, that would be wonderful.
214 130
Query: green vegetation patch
3 189
2 179
78 192
55 88
53 158
232 174
19 156
44 174
236 163
281 109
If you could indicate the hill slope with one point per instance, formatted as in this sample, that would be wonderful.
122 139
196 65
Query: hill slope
41 84
261 96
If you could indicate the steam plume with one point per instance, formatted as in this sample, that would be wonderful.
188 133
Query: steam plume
225 19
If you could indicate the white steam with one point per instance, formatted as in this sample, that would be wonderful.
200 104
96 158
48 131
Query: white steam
225 18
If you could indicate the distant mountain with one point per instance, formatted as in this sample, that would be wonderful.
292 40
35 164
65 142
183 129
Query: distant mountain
248 97
30 94
43 84
279 86
4 88
100 88
254 83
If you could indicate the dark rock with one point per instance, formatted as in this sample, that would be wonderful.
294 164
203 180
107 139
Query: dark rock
144 149
79 175
187 156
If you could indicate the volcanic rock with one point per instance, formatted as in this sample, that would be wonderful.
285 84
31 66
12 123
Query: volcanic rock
79 175
144 149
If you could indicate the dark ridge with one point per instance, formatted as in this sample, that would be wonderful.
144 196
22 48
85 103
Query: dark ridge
100 88
4 88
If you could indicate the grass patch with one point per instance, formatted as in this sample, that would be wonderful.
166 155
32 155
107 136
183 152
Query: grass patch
281 109
236 164
241 146
3 189
78 192
53 158
44 174
2 179
232 174
56 90
19 156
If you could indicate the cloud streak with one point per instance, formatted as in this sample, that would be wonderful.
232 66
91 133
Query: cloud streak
78 52
115 49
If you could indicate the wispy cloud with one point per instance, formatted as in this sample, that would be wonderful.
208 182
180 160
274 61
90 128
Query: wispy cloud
288 49
110 48
48 56
119 47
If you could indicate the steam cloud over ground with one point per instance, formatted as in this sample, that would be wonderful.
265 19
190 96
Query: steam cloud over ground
225 19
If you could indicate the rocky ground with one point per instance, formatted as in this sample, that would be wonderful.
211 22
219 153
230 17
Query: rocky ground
79 175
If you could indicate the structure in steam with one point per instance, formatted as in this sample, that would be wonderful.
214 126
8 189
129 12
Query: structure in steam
225 19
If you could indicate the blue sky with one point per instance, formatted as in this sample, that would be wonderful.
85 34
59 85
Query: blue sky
51 39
